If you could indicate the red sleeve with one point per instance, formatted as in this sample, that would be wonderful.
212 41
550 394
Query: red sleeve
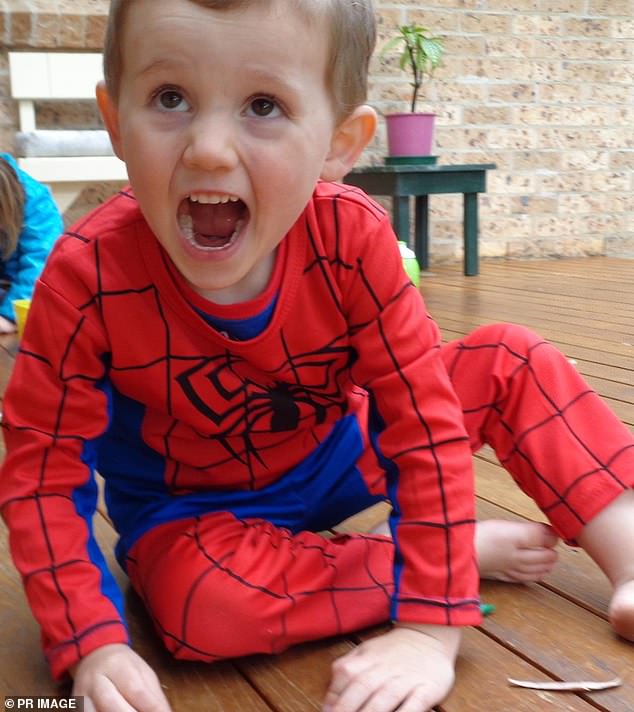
53 411
420 437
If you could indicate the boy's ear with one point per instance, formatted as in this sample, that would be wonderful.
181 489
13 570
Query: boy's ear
349 139
110 115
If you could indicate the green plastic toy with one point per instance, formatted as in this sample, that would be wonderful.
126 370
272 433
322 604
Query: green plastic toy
410 263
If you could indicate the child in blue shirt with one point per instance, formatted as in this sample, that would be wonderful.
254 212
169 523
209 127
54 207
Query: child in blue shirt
30 223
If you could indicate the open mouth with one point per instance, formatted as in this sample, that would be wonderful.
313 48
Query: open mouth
212 222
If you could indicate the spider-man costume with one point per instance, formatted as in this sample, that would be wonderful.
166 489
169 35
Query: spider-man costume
223 457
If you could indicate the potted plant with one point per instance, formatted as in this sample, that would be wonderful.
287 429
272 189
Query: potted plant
411 134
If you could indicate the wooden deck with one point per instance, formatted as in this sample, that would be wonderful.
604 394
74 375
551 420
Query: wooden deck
553 630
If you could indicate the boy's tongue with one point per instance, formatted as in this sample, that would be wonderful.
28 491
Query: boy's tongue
215 223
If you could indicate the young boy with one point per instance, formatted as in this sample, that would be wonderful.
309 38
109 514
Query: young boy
237 350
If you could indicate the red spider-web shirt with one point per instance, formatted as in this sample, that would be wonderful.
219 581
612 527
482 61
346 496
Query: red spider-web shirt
114 352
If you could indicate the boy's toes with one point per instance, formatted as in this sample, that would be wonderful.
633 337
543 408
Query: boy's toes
621 612
515 551
534 535
531 564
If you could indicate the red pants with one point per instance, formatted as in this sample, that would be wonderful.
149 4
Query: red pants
221 587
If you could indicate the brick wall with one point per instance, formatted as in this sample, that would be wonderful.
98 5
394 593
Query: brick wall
542 88
48 24
53 24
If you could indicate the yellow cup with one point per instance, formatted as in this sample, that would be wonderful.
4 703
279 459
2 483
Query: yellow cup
21 308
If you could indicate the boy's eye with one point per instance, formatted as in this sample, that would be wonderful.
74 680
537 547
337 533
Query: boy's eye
264 107
171 100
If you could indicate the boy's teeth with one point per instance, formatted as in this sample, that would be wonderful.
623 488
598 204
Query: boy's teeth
213 199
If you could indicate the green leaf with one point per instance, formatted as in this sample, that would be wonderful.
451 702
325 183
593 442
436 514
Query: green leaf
421 52
395 41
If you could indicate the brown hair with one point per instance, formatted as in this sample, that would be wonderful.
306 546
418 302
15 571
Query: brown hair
352 39
11 209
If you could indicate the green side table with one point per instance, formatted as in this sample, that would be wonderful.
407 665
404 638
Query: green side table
421 181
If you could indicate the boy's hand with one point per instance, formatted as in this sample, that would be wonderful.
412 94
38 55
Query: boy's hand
410 669
115 679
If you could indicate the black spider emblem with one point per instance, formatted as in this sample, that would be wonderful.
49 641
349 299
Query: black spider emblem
305 387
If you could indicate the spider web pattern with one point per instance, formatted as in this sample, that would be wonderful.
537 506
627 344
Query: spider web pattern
111 343
550 446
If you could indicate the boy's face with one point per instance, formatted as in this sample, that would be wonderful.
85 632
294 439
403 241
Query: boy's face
225 122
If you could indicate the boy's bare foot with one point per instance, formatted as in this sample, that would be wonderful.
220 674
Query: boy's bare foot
621 611
609 539
517 552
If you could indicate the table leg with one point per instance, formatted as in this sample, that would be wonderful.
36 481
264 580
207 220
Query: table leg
421 231
400 217
470 234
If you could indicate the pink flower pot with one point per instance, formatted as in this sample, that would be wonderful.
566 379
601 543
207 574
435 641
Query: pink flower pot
410 134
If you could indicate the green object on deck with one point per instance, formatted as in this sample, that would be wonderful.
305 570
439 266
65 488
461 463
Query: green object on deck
410 263
487 608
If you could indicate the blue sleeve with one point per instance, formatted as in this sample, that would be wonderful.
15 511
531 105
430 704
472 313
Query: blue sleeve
41 226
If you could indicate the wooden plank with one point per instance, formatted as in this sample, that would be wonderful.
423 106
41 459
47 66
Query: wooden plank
465 323
580 276
605 337
298 679
562 302
495 485
510 308
562 638
482 670
577 277
519 282
486 289
599 311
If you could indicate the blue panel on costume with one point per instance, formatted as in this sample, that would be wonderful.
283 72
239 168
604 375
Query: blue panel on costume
320 492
